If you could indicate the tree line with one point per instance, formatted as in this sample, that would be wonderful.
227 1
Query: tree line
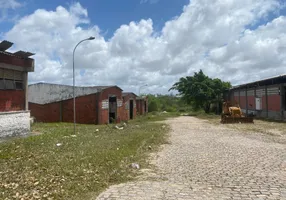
198 91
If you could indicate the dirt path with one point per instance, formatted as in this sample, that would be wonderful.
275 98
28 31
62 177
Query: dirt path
205 161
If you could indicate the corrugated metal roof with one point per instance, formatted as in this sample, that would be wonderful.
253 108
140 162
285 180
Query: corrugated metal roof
23 54
4 45
254 82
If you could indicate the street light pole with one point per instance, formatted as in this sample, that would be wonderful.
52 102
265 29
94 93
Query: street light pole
73 71
141 87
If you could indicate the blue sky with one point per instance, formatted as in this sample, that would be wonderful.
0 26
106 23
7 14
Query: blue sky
236 41
109 15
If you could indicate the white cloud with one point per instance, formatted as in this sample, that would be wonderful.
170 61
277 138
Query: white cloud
208 36
149 1
6 6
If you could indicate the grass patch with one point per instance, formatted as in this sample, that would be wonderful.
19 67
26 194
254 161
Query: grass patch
81 166
156 116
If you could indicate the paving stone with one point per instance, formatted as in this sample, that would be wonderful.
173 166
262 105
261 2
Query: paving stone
204 161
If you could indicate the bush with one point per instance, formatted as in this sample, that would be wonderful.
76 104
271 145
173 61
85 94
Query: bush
153 106
170 109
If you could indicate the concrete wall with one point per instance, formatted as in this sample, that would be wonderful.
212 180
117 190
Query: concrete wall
14 123
12 100
43 93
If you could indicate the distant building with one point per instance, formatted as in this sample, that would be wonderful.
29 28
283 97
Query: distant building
129 101
94 105
142 105
265 98
14 69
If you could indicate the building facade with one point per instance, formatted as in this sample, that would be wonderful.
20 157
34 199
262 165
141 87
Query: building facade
14 69
263 99
94 105
142 105
129 101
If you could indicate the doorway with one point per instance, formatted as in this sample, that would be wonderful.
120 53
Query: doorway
112 109
145 106
131 109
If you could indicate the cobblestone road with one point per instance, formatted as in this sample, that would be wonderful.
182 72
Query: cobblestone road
204 161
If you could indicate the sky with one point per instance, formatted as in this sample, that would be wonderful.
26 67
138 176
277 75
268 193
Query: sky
154 42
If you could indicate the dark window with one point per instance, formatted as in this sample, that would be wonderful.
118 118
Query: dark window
2 86
9 84
11 80
19 85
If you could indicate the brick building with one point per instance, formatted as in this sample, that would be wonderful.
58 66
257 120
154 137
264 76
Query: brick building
129 104
14 69
142 105
265 98
94 105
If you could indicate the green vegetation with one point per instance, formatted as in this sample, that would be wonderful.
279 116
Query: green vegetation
200 91
169 103
56 164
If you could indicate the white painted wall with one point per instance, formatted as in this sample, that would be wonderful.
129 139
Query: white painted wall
14 123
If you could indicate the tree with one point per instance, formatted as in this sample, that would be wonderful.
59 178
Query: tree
153 106
200 91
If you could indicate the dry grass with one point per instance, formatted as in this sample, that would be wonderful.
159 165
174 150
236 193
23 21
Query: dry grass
275 128
82 166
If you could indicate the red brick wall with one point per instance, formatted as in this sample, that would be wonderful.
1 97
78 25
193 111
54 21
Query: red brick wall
263 99
45 113
104 95
138 107
104 117
236 100
124 113
111 91
12 100
85 109
242 102
126 100
251 102
274 103
13 60
140 104
134 109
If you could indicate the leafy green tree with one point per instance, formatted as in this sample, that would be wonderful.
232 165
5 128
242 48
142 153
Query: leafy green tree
200 91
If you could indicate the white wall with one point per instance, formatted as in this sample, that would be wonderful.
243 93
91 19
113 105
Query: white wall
14 123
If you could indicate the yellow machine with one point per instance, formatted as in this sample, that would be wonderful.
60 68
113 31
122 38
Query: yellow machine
232 114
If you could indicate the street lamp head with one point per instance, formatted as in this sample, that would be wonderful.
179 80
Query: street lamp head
91 38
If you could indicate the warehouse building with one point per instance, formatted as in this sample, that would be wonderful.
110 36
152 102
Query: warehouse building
14 69
265 98
94 105
129 101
